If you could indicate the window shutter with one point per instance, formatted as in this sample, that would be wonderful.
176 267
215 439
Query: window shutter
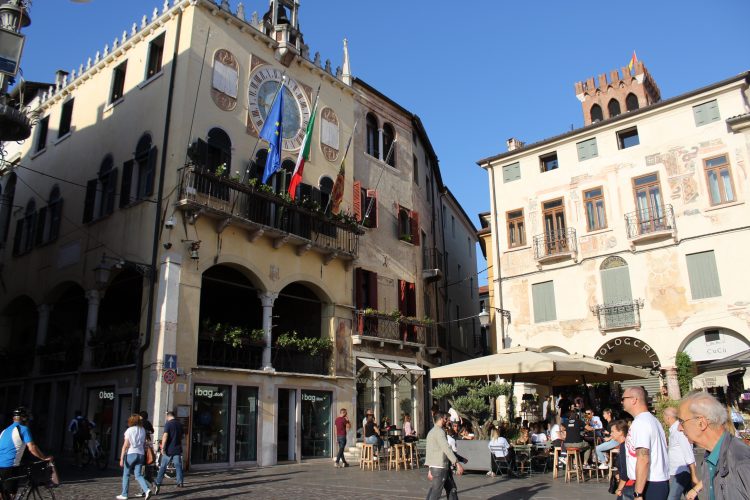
414 220
29 232
512 172
373 194
372 289
148 189
616 285
587 149
127 182
55 219
713 111
543 296
703 274
88 204
706 113
110 188
40 226
357 200
699 114
17 237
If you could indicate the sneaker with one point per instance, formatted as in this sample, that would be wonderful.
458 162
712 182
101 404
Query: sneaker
603 466
588 467
490 474
336 464
121 497
148 494
156 489
346 464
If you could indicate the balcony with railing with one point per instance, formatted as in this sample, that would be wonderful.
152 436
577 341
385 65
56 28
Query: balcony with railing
432 264
112 354
391 329
650 224
263 212
291 361
619 315
214 351
560 244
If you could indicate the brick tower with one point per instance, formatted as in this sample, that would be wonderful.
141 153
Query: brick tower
622 92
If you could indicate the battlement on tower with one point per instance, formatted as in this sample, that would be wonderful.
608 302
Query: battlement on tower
619 91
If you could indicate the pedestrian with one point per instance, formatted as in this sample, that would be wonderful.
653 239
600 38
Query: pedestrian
682 472
646 448
342 427
439 458
133 456
80 427
171 451
148 469
618 431
14 441
726 463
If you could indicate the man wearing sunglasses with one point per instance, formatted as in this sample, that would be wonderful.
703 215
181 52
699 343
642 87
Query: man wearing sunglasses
646 448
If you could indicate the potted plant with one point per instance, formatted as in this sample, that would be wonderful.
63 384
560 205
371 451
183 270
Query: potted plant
310 345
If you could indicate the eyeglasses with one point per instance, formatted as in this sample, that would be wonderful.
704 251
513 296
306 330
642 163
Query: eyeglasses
622 399
682 422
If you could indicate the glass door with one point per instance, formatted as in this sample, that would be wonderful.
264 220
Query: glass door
286 437
210 441
649 204
554 227
316 424
245 438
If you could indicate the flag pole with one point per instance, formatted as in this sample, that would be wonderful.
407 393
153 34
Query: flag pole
382 169
304 151
343 158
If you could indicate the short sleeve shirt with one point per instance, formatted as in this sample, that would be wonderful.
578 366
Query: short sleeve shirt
680 451
13 443
135 436
174 432
647 432
573 431
340 423
369 429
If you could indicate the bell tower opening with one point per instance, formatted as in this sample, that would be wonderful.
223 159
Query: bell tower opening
281 23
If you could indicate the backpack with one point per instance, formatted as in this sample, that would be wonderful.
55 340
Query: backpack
83 430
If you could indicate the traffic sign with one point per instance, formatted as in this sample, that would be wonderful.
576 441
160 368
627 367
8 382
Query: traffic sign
170 376
170 361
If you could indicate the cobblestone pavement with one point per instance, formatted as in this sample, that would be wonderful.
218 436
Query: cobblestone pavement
320 480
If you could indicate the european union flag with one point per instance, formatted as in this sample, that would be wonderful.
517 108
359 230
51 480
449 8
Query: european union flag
271 132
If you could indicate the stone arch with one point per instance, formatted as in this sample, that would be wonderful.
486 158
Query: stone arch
554 349
238 263
629 351
712 343
323 293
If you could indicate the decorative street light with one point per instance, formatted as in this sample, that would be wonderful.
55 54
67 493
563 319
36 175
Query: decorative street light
103 270
484 316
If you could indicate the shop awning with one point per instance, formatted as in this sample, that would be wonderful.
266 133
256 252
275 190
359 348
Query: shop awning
373 365
715 378
394 367
413 369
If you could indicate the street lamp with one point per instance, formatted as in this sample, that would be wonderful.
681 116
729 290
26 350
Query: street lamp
103 270
484 316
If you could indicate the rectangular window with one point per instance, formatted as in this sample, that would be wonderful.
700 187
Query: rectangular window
719 180
512 172
587 149
155 52
595 217
365 289
516 229
703 274
118 82
651 214
706 113
41 134
543 295
548 162
628 138
712 336
369 204
66 117
453 226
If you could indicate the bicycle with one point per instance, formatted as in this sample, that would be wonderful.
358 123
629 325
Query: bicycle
38 476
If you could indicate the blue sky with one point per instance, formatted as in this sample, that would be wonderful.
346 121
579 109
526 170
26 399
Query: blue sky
476 73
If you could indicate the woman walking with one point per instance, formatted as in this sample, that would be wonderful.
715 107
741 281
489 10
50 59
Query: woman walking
133 456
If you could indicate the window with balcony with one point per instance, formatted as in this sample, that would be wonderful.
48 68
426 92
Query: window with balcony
548 162
628 138
543 297
651 213
118 82
516 228
155 54
703 274
595 215
366 289
719 180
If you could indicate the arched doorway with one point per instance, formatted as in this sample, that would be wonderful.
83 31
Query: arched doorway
63 347
297 310
116 339
633 351
714 343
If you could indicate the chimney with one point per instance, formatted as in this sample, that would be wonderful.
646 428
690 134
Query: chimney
514 143
59 76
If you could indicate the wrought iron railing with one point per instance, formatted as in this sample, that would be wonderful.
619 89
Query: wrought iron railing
109 354
265 209
557 242
216 352
60 361
649 221
618 315
286 360
393 329
432 258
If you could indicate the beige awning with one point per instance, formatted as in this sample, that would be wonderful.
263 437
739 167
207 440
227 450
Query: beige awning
715 378
394 367
373 365
413 369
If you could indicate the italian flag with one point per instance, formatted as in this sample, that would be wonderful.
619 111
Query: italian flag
304 154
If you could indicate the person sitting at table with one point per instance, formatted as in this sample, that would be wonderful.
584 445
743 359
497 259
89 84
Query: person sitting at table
385 425
523 437
537 436
465 433
501 449
410 435
372 433
451 433
574 436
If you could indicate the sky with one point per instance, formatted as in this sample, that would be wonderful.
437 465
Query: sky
476 73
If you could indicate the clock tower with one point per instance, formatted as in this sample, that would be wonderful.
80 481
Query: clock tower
281 23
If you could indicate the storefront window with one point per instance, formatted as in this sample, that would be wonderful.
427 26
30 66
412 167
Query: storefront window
316 424
100 410
364 398
405 400
386 400
211 423
245 439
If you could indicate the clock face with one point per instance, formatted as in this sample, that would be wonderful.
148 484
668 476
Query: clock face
264 83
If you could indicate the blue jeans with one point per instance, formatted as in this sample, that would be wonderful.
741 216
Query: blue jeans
133 463
341 440
177 461
605 446
679 484
374 440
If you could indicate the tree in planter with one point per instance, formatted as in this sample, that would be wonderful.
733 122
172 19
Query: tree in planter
684 372
471 399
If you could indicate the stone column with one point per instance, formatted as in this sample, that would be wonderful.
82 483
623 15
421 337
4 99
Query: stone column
267 299
381 153
42 325
673 384
92 320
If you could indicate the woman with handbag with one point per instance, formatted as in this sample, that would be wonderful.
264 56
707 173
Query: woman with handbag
133 456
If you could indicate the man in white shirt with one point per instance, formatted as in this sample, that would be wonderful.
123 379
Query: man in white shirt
682 472
646 448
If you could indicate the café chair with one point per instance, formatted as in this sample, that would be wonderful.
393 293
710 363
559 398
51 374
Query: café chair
369 457
573 464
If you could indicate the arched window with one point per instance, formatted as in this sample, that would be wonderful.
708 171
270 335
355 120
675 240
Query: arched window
596 113
631 102
326 187
219 154
145 163
373 142
282 177
388 140
100 191
616 293
404 224
25 230
258 165
613 107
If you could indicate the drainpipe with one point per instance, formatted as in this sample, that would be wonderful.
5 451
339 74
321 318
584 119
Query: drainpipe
498 285
157 229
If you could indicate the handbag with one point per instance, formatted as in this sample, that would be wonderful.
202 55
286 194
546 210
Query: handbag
54 479
613 483
150 458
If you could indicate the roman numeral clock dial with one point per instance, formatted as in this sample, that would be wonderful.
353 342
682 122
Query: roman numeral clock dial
264 83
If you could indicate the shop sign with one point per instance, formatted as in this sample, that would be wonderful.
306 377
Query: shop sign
204 391
630 342
107 395
313 398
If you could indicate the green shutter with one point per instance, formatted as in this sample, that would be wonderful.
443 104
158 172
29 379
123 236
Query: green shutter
543 296
587 149
616 285
704 276
511 172
706 113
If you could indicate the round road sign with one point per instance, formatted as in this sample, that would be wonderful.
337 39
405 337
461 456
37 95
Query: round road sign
170 376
